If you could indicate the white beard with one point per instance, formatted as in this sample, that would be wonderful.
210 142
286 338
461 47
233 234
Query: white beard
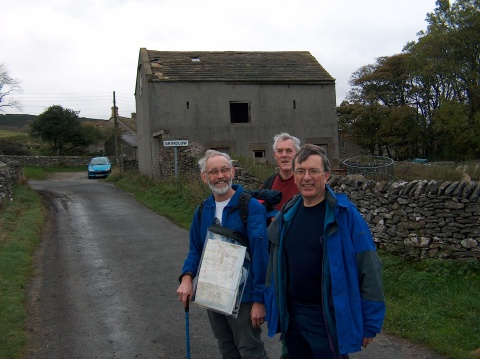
220 190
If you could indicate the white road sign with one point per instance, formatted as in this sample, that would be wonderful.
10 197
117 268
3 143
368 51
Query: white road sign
175 143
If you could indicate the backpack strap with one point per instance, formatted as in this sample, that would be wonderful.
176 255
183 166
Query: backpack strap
227 232
200 210
269 182
242 207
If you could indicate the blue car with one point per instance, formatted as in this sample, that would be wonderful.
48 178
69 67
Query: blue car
99 167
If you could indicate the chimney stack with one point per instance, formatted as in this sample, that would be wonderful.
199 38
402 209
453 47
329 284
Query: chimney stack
114 111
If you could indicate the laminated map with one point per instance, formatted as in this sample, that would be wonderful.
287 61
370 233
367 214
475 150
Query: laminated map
221 273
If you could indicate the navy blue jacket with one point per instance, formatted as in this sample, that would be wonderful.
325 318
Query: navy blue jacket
353 299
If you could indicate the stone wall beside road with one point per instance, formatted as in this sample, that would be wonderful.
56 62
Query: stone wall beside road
10 174
48 161
419 219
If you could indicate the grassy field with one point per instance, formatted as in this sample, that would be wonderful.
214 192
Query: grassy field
432 302
20 143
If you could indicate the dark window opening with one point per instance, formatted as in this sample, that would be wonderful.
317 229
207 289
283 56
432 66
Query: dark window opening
239 112
294 104
188 105
259 153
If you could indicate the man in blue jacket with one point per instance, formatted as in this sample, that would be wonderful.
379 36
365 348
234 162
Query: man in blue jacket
237 337
324 275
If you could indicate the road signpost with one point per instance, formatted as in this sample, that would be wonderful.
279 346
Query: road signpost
175 144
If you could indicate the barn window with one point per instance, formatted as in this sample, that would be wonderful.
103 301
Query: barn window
259 153
239 112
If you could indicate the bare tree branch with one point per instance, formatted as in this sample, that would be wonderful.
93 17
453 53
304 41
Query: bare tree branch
8 87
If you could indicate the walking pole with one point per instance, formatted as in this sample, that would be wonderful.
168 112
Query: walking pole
187 327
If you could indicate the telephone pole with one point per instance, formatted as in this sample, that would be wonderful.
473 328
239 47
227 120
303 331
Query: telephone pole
115 132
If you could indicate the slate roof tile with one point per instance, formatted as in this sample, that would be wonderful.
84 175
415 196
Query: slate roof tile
237 66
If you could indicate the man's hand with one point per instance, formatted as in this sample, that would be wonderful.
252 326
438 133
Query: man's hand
366 341
185 289
257 314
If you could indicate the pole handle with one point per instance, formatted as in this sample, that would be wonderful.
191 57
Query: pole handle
187 306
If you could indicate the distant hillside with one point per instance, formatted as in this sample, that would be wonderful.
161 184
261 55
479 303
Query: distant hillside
15 122
9 122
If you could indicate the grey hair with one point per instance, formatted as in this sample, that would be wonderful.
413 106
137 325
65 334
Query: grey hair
211 153
284 137
308 150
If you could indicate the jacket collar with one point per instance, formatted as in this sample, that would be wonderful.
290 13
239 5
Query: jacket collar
332 199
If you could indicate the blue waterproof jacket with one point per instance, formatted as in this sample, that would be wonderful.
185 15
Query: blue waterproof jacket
255 229
353 300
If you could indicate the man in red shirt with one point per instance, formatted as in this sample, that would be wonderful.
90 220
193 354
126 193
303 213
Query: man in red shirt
285 147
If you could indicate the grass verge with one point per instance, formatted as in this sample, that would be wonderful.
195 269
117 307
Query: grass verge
434 302
174 199
21 223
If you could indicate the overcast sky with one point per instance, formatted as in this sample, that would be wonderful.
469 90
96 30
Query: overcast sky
76 53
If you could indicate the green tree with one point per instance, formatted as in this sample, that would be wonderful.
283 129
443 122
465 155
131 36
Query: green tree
441 69
387 82
60 127
377 114
401 134
362 123
445 66
92 133
456 31
457 135
8 87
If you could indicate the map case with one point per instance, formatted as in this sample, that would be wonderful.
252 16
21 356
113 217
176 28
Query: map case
223 273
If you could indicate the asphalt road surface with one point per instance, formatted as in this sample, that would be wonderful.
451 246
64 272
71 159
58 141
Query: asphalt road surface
106 276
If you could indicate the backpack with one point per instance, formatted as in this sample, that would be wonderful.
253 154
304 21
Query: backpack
269 198
269 182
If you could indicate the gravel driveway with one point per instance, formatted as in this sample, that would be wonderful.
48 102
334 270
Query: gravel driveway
106 275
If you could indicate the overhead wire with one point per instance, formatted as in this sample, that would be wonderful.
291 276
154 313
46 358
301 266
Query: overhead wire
89 104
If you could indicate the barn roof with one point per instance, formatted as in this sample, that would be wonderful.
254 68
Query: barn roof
235 66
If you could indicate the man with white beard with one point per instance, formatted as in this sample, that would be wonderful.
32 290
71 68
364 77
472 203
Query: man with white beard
238 337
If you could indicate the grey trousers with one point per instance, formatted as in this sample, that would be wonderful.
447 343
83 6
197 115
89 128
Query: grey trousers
236 336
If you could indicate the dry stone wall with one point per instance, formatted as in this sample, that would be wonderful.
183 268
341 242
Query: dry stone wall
185 162
10 174
48 161
419 219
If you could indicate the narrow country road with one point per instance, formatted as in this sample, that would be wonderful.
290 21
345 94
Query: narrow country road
106 275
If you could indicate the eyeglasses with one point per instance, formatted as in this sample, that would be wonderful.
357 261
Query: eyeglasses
313 171
215 171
